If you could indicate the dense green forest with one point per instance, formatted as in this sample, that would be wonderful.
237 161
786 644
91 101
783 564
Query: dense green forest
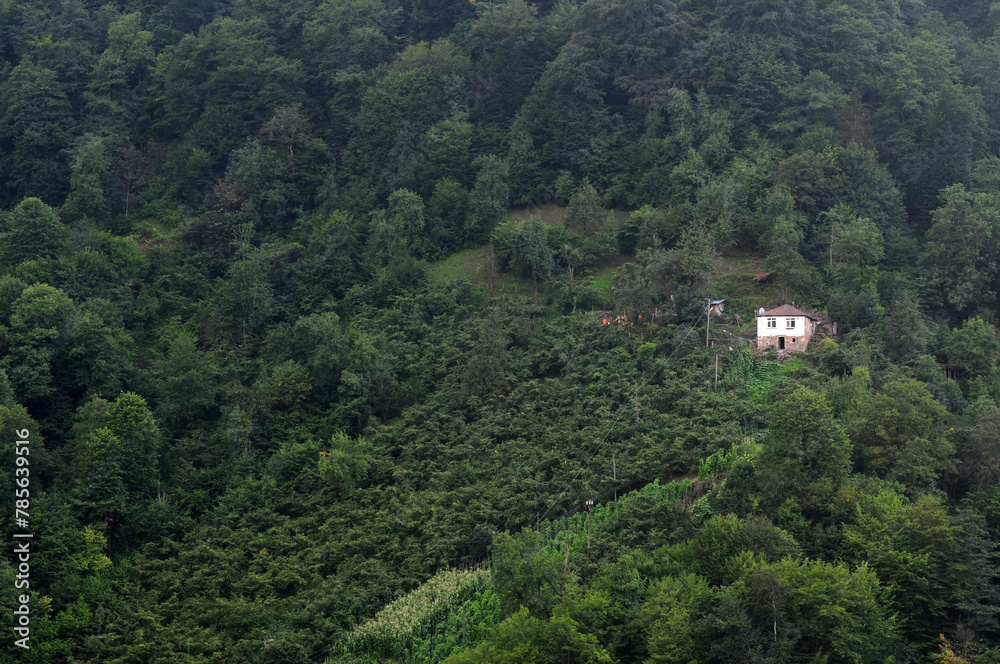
301 302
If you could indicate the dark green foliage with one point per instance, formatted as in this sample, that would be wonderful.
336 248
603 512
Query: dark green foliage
806 452
509 47
184 390
960 257
264 308
36 118
33 232
523 246
489 199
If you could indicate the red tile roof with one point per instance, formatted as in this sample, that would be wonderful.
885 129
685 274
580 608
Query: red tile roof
788 310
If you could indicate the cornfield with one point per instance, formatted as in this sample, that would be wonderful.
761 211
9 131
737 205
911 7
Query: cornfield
452 610
456 609
723 460
751 375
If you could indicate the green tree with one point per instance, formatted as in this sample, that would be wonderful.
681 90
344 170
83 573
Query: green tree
900 437
447 146
368 384
424 85
106 496
904 329
90 192
183 382
246 298
130 421
526 574
318 342
807 452
915 550
216 86
560 123
817 99
34 232
99 358
834 609
489 199
857 244
130 47
523 246
638 43
974 346
508 47
345 463
530 640
669 614
278 171
114 93
332 256
447 210
489 361
35 120
694 259
635 290
40 331
585 213
344 42
960 258
406 216
784 260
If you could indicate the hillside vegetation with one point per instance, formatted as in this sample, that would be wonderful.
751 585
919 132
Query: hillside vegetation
300 301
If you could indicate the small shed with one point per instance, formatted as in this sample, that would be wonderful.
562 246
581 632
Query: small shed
717 307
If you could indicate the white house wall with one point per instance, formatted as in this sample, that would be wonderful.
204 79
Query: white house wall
796 337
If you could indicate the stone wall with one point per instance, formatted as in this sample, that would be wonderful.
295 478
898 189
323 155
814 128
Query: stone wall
771 343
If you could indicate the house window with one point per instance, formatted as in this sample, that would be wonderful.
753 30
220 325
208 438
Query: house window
789 323
772 322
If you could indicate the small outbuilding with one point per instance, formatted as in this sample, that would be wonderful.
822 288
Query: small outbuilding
717 307
785 328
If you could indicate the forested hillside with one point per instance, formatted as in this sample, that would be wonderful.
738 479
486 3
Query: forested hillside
302 303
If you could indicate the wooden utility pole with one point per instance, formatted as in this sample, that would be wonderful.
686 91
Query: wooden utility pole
491 278
614 474
833 226
590 506
708 321
562 588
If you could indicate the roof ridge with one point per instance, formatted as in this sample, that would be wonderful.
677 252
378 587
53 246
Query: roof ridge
787 310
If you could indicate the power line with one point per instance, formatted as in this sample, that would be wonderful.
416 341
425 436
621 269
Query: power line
621 409
623 485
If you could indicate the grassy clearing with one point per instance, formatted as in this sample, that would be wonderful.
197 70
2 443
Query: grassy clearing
744 295
552 215
747 264
470 265
473 266
602 282
734 279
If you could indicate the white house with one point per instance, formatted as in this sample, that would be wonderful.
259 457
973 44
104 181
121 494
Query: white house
784 328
